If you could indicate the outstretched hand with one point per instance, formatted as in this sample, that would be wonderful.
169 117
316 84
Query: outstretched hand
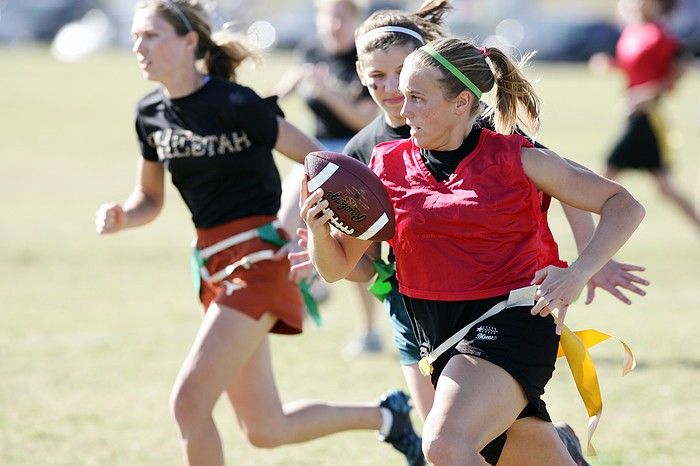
558 287
613 276
301 261
301 267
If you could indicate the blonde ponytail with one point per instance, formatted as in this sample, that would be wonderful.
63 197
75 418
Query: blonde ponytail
515 100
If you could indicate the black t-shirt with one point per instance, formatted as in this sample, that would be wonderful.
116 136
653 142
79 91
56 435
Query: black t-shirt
361 145
443 163
217 145
343 77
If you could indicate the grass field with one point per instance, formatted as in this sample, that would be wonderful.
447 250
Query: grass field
92 330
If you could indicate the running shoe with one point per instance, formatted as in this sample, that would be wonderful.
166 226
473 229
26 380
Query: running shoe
401 435
568 436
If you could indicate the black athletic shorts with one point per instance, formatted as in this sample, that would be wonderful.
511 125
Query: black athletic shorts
642 144
523 345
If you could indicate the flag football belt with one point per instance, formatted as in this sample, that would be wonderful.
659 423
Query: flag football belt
573 346
239 238
520 297
201 255
267 233
382 286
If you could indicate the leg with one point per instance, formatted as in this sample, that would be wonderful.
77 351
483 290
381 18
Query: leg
669 190
267 423
530 440
422 391
533 442
420 386
369 340
225 342
368 308
475 401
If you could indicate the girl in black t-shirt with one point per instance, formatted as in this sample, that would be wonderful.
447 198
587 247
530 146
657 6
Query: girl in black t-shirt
215 137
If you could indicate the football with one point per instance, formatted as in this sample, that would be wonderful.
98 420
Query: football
360 204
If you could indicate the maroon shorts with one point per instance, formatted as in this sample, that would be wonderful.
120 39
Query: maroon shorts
263 287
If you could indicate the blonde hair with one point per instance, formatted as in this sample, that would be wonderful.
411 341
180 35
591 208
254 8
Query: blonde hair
515 99
426 21
219 53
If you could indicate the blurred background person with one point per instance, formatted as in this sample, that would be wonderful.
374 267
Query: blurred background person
652 60
327 81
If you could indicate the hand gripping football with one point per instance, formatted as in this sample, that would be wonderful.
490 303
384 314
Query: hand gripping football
359 201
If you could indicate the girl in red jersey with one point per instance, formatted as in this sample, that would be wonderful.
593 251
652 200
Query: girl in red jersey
468 243
652 61
215 137
383 41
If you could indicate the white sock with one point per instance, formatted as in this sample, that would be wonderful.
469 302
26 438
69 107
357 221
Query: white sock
387 421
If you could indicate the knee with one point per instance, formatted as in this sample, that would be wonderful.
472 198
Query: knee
441 450
262 436
186 407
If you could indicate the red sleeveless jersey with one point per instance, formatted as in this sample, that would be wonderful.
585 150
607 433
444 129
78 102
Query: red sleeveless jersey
475 235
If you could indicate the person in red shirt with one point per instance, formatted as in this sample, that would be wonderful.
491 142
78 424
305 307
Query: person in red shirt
652 61
468 244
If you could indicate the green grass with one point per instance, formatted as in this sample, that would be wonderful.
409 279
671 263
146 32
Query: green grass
94 329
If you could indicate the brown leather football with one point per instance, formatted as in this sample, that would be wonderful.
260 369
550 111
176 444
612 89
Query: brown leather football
359 201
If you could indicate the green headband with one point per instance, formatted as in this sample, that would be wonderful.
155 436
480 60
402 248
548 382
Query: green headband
452 69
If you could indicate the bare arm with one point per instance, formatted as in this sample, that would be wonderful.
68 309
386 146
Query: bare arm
141 207
293 143
620 214
614 277
580 221
354 114
311 81
364 270
288 83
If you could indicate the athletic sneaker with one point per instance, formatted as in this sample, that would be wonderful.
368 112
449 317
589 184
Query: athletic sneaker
370 342
402 436
568 436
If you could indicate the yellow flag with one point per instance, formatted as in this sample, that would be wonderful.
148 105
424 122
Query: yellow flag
574 346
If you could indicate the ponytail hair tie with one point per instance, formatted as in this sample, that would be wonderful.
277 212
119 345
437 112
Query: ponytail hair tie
484 51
